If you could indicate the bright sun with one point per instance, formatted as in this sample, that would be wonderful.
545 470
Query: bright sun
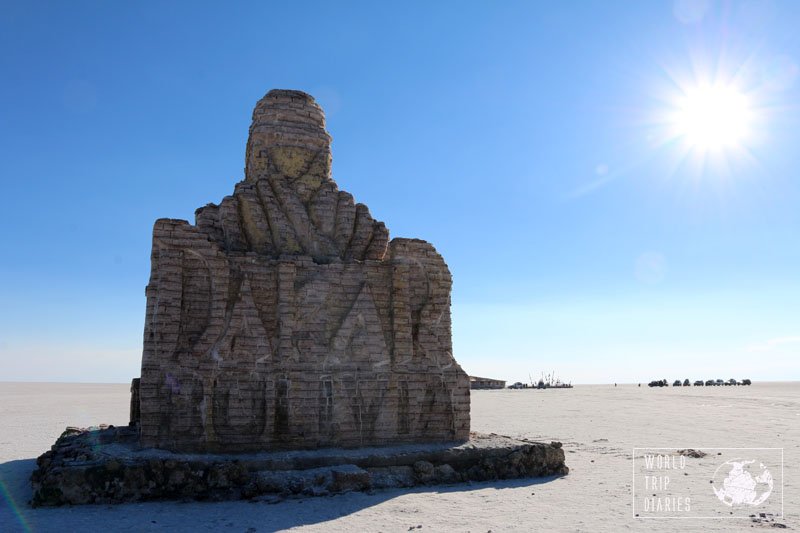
712 118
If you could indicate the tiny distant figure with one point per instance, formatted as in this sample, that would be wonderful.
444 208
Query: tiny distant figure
615 384
640 384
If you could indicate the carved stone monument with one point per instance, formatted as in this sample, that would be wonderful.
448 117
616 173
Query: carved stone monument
285 318
286 324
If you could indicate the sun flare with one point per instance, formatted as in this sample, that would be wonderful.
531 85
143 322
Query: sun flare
712 118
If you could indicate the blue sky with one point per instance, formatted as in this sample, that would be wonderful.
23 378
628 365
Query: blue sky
526 140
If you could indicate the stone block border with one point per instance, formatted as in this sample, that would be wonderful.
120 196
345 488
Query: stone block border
106 465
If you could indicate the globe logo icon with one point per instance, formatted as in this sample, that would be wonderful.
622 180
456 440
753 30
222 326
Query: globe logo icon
742 483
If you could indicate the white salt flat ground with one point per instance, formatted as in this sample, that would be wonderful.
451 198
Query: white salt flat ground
599 426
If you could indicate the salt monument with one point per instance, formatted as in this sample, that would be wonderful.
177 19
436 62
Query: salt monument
286 318
286 324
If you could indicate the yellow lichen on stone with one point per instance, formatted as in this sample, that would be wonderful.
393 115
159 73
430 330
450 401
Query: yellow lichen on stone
291 246
310 181
256 167
256 236
321 166
290 161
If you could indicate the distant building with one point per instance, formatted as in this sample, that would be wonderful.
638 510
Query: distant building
486 383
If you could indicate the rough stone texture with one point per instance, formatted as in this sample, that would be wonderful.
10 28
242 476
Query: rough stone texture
107 466
135 414
286 319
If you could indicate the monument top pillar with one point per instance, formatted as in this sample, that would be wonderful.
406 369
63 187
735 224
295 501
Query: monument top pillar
288 137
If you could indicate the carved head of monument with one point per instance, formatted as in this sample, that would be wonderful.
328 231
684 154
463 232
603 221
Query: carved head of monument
288 138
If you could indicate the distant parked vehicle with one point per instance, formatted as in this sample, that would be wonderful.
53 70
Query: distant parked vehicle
517 385
698 383
732 382
686 383
710 383
659 383
677 383
719 382
746 382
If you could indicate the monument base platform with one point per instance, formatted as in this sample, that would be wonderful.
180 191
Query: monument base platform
106 465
